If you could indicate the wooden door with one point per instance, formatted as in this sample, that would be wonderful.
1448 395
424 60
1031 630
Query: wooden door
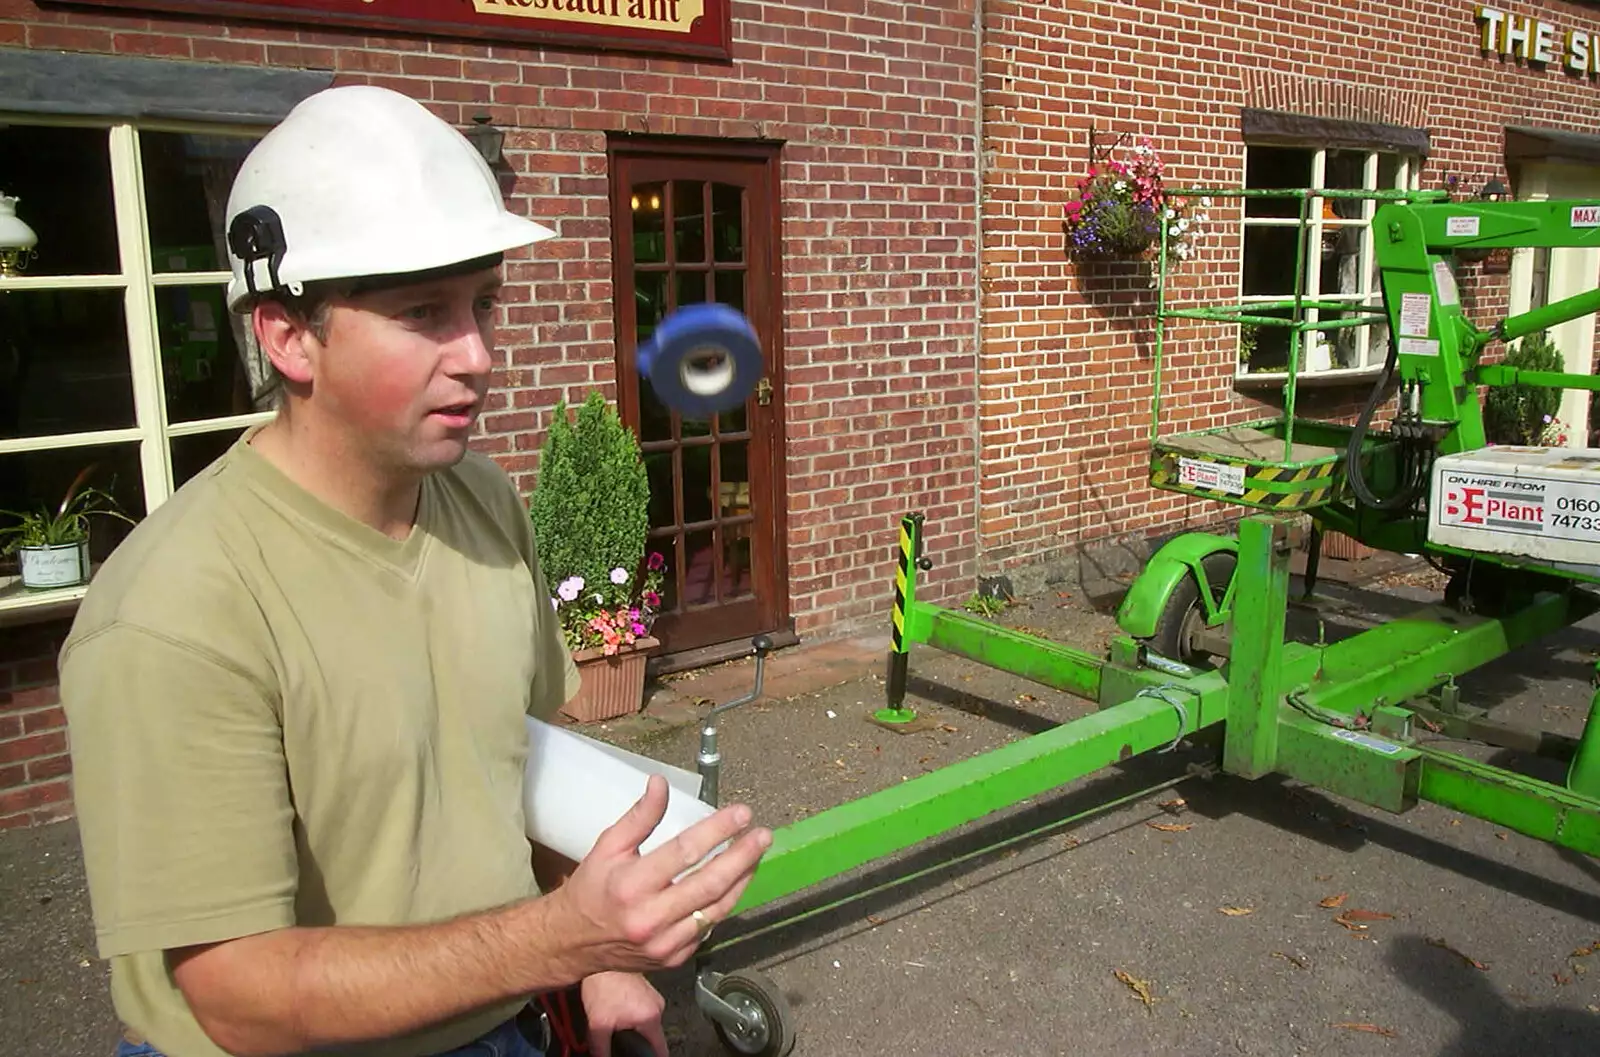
691 223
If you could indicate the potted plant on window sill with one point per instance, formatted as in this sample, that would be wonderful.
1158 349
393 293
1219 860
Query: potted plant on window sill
591 516
52 548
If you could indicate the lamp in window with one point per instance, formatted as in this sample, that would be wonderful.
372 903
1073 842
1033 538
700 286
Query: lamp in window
17 239
486 138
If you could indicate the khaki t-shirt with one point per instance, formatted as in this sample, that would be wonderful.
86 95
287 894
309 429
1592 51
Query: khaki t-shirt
280 716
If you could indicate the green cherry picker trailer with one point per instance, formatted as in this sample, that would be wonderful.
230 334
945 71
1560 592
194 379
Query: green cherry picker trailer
1202 641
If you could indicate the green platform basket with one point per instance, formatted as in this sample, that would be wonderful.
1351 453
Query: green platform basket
1250 465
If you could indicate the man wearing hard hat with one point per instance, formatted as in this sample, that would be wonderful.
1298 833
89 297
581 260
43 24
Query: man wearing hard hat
296 694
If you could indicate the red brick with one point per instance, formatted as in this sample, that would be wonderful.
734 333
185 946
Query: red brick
32 746
29 797
29 698
13 775
44 719
47 768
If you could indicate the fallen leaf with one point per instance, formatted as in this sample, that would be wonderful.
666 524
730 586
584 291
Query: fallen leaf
1371 1029
1349 924
1592 1009
1366 915
1455 822
1501 836
924 759
1237 912
83 963
1171 827
947 728
1324 876
1174 805
1332 901
1299 963
1442 945
1137 986
1026 697
874 919
1070 841
1579 968
1584 952
1561 980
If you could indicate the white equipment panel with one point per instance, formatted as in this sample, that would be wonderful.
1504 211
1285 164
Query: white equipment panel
1540 503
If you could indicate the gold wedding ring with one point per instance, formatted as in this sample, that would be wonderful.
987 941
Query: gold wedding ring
701 923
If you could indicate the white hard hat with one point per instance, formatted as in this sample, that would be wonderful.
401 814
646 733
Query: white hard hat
361 181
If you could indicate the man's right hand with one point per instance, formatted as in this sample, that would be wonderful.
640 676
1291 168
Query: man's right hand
623 911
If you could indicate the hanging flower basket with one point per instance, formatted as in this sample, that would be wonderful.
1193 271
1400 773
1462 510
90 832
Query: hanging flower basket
1121 208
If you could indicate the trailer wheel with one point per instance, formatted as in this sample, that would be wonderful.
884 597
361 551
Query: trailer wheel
1184 616
771 1033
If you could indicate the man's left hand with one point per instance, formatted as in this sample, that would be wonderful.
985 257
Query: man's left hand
616 1002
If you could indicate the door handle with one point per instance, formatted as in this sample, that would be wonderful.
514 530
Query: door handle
764 392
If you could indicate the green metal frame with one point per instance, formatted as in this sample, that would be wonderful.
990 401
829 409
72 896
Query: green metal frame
1345 716
1340 716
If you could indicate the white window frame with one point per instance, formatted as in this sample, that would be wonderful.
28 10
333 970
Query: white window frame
138 280
1407 177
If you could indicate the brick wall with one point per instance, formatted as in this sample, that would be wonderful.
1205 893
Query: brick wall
1067 362
876 104
34 786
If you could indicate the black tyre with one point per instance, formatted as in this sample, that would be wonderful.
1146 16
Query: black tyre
1184 616
753 994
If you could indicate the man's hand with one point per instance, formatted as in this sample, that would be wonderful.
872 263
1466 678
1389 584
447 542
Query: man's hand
614 1002
623 911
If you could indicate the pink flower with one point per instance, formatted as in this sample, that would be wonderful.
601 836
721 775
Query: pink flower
638 629
656 562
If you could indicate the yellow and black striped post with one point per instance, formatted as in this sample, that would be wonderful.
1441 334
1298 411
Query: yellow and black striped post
905 594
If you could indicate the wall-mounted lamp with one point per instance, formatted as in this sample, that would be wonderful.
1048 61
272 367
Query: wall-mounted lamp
17 239
1493 191
486 138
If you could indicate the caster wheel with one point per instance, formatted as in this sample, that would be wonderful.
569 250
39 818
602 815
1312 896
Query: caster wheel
771 1032
1183 617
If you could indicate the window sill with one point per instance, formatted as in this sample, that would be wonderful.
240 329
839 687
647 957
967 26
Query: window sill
20 605
1347 376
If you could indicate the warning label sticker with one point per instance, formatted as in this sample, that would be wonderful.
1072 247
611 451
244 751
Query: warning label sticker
1586 216
1415 311
1221 477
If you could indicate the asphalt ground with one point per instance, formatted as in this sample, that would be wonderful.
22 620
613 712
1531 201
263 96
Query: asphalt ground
1191 920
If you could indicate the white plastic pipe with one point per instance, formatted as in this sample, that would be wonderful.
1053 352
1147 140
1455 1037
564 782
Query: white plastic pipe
575 787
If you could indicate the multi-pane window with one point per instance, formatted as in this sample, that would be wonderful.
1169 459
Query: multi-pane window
1338 262
117 354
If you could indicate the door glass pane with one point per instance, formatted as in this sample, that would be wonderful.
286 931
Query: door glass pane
731 421
193 453
735 490
1276 168
1341 260
691 288
727 222
658 468
689 221
202 372
697 484
730 289
736 581
63 362
38 480
186 183
655 421
649 224
649 303
62 180
699 568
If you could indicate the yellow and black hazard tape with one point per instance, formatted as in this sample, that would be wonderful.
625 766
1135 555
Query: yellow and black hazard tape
901 572
1266 487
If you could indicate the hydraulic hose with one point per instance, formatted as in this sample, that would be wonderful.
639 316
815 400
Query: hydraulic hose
1411 474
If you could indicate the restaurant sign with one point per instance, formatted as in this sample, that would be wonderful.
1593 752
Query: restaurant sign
678 27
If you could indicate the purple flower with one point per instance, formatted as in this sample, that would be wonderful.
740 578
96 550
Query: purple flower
638 629
656 562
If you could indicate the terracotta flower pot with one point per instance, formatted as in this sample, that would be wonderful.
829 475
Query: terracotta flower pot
612 686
